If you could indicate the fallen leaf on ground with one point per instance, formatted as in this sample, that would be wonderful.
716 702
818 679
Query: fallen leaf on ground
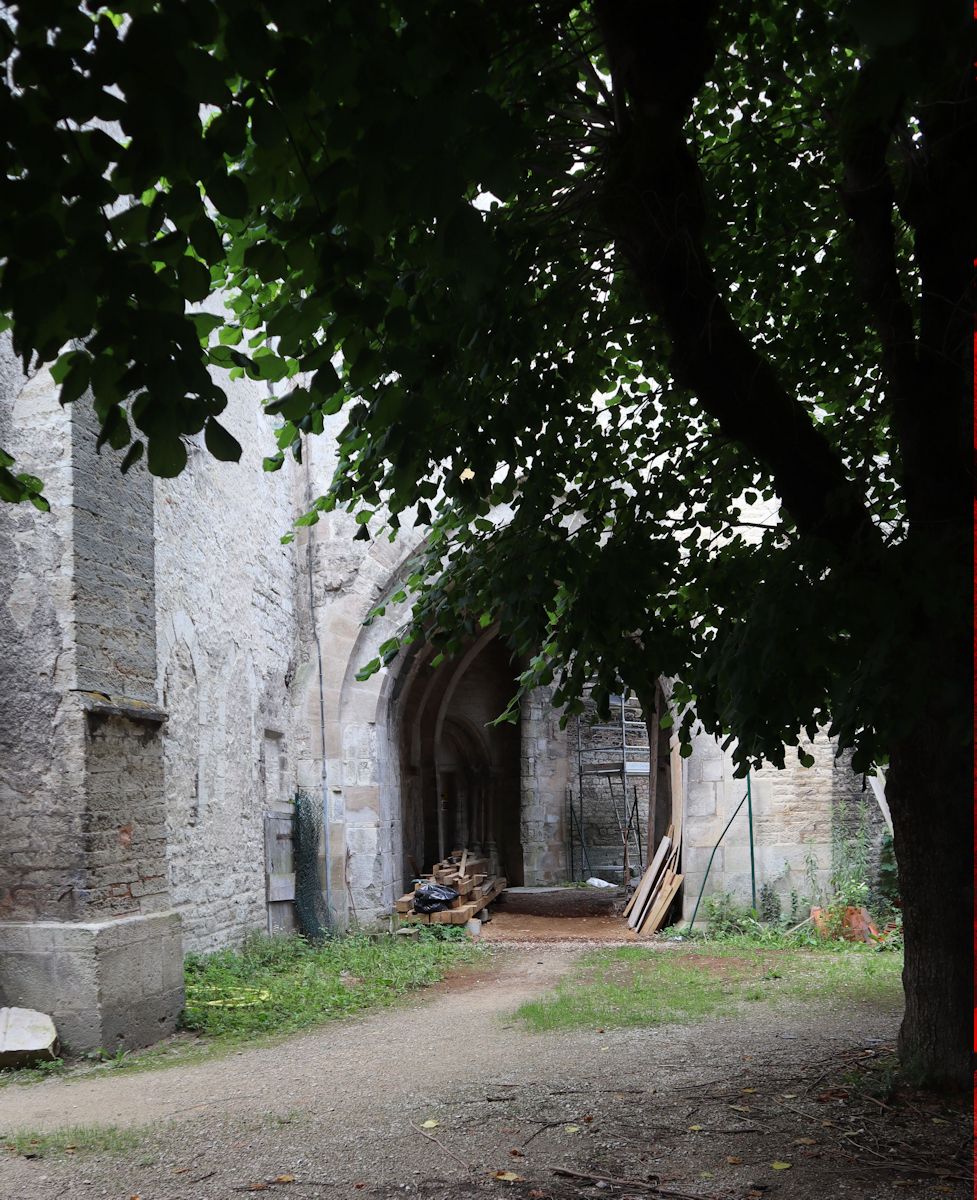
571 1128
284 1178
748 1091
694 1128
805 1141
430 1124
537 1194
517 1154
789 1096
734 1160
587 1118
359 1185
507 1176
705 1174
780 1166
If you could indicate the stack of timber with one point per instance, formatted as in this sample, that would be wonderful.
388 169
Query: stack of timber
470 878
647 908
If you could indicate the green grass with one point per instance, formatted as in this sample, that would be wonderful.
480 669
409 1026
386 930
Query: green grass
280 985
277 986
634 986
73 1139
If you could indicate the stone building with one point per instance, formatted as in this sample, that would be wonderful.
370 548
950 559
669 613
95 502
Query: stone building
172 675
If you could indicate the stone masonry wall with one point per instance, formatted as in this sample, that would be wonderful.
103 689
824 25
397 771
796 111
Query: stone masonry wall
41 733
227 656
606 801
793 814
543 787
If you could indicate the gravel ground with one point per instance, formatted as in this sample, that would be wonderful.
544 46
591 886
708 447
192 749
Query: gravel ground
697 1111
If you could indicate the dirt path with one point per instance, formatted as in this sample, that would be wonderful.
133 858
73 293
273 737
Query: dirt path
447 1033
333 1109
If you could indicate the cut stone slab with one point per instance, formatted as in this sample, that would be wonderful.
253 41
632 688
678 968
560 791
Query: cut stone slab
561 901
25 1037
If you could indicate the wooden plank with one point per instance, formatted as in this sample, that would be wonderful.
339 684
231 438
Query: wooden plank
640 897
670 867
657 914
464 862
649 880
660 891
281 917
280 887
405 903
279 872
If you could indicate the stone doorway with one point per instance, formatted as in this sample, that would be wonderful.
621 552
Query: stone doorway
459 773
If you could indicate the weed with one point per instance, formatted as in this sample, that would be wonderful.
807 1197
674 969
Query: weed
770 908
281 984
43 1069
73 1139
725 916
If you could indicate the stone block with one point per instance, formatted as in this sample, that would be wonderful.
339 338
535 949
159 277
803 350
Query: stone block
26 1036
701 801
113 984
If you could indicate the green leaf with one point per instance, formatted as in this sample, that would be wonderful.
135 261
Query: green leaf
166 456
267 260
194 279
206 241
220 443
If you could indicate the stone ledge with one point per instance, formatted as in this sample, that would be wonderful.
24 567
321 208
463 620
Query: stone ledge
104 705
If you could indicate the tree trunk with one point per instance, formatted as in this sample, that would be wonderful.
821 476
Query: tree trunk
928 790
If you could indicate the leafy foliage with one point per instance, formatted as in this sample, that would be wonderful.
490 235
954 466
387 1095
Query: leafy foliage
429 216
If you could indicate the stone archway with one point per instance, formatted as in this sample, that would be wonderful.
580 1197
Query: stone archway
459 774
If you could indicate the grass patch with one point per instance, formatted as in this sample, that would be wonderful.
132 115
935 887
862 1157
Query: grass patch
280 985
276 986
635 986
74 1139
627 986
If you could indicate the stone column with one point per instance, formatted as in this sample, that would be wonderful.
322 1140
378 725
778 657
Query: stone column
86 933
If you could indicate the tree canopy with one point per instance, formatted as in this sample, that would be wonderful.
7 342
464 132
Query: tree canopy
682 290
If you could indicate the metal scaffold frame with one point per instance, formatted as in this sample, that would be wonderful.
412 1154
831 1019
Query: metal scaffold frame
619 763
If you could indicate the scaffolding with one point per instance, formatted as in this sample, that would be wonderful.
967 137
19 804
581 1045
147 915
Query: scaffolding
619 757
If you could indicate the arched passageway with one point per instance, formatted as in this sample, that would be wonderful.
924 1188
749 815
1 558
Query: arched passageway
459 773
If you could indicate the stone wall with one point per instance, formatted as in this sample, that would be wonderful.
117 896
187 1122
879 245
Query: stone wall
795 815
605 801
543 788
227 638
83 821
42 731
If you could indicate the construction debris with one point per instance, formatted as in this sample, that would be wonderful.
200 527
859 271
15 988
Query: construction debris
648 907
26 1037
469 876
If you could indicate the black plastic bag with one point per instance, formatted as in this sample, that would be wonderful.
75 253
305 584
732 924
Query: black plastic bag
433 897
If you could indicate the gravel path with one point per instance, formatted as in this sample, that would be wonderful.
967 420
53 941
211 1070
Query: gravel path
330 1113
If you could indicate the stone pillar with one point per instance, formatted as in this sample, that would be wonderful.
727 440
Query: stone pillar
543 790
86 933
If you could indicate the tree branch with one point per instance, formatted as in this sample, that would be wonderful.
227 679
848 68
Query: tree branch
653 203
